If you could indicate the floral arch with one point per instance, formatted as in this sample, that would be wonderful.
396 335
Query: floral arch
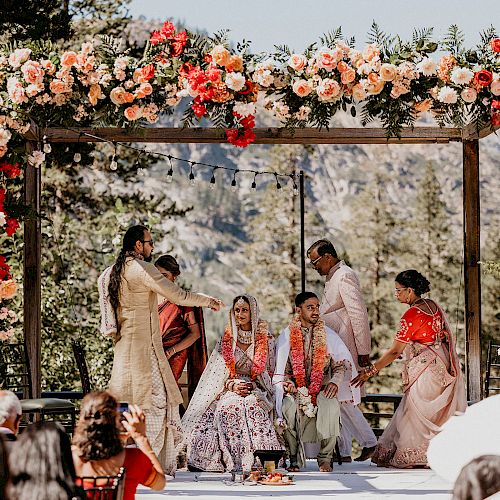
388 80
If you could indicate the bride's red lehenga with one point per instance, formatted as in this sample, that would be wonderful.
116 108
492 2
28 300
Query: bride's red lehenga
433 388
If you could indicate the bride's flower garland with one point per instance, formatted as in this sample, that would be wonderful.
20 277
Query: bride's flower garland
260 351
319 354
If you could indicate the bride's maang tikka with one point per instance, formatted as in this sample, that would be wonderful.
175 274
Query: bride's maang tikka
240 302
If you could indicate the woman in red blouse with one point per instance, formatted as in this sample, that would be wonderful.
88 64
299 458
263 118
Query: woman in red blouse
98 449
433 384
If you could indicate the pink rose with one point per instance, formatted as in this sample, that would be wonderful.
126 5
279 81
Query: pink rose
18 57
495 87
328 90
32 72
7 289
117 96
388 72
468 95
302 88
297 62
48 66
16 91
348 76
133 112
326 59
143 90
95 93
358 92
371 51
34 88
375 88
68 59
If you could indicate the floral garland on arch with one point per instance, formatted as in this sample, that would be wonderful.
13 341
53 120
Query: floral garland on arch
319 356
261 349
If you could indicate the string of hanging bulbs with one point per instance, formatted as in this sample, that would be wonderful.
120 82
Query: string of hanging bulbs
279 178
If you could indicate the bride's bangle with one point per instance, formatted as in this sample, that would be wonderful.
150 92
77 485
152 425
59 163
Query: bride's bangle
372 370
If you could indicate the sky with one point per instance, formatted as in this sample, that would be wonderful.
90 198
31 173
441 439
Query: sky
297 23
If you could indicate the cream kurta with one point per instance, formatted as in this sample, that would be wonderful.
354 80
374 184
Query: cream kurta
139 332
343 309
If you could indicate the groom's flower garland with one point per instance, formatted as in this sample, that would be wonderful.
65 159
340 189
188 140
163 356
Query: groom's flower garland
260 350
319 356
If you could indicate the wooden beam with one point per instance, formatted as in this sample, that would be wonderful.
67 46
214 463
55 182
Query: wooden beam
417 135
32 273
471 132
472 278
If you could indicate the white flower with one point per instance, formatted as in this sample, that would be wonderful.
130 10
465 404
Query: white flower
447 95
303 391
244 109
235 81
427 66
5 136
18 57
303 113
36 158
468 94
461 76
3 219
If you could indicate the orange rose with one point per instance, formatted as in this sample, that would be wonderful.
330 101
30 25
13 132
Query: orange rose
483 78
348 76
95 93
7 289
68 58
373 78
302 88
133 112
117 95
144 90
297 62
342 66
388 72
221 55
59 87
235 63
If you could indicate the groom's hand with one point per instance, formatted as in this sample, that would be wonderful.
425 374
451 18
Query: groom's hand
330 391
363 360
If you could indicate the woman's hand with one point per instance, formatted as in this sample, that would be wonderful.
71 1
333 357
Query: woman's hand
243 388
289 386
360 379
135 422
170 352
215 304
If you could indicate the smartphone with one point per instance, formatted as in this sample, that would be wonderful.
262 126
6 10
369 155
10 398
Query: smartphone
123 406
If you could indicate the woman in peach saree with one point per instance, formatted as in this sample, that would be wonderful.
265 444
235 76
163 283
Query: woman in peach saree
432 379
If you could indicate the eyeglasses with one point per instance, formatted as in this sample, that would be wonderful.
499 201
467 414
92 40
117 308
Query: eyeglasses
315 261
148 241
398 290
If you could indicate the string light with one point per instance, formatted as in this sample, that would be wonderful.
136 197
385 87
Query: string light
47 148
254 182
114 164
278 185
234 186
137 163
192 179
295 188
212 179
77 157
170 172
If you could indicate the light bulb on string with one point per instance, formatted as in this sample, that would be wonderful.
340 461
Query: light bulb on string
254 183
278 185
234 186
114 164
192 179
295 189
170 172
212 180
77 157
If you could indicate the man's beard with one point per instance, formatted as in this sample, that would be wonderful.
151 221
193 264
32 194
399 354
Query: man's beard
313 321
149 258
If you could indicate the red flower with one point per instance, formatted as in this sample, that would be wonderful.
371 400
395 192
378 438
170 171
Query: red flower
213 73
495 44
11 226
156 38
168 29
176 49
495 104
483 78
495 119
198 108
10 170
185 69
2 199
247 122
4 269
148 72
248 88
181 37
208 58
242 140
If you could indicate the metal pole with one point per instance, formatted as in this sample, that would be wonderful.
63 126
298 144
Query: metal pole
302 233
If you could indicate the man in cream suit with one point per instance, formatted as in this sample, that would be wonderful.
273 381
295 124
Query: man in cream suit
343 309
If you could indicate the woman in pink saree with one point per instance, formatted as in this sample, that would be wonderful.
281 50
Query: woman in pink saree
433 383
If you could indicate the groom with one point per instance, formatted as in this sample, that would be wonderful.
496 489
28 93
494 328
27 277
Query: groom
313 373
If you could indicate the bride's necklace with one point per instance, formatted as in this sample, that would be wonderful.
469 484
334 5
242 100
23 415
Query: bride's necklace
245 337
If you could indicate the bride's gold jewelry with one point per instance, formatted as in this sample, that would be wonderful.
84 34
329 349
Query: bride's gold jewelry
245 337
240 302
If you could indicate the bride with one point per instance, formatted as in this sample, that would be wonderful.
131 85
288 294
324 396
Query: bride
230 413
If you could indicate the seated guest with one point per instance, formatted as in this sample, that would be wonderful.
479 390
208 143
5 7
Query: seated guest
41 465
479 479
10 415
98 449
433 383
230 414
182 331
313 373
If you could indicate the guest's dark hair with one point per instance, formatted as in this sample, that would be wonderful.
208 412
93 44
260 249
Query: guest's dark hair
238 297
4 467
41 464
131 237
169 263
303 296
97 436
413 279
479 479
323 247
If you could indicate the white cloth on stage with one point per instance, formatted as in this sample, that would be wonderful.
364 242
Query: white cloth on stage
354 424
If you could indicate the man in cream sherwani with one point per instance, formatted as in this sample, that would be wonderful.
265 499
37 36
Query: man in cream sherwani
343 309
